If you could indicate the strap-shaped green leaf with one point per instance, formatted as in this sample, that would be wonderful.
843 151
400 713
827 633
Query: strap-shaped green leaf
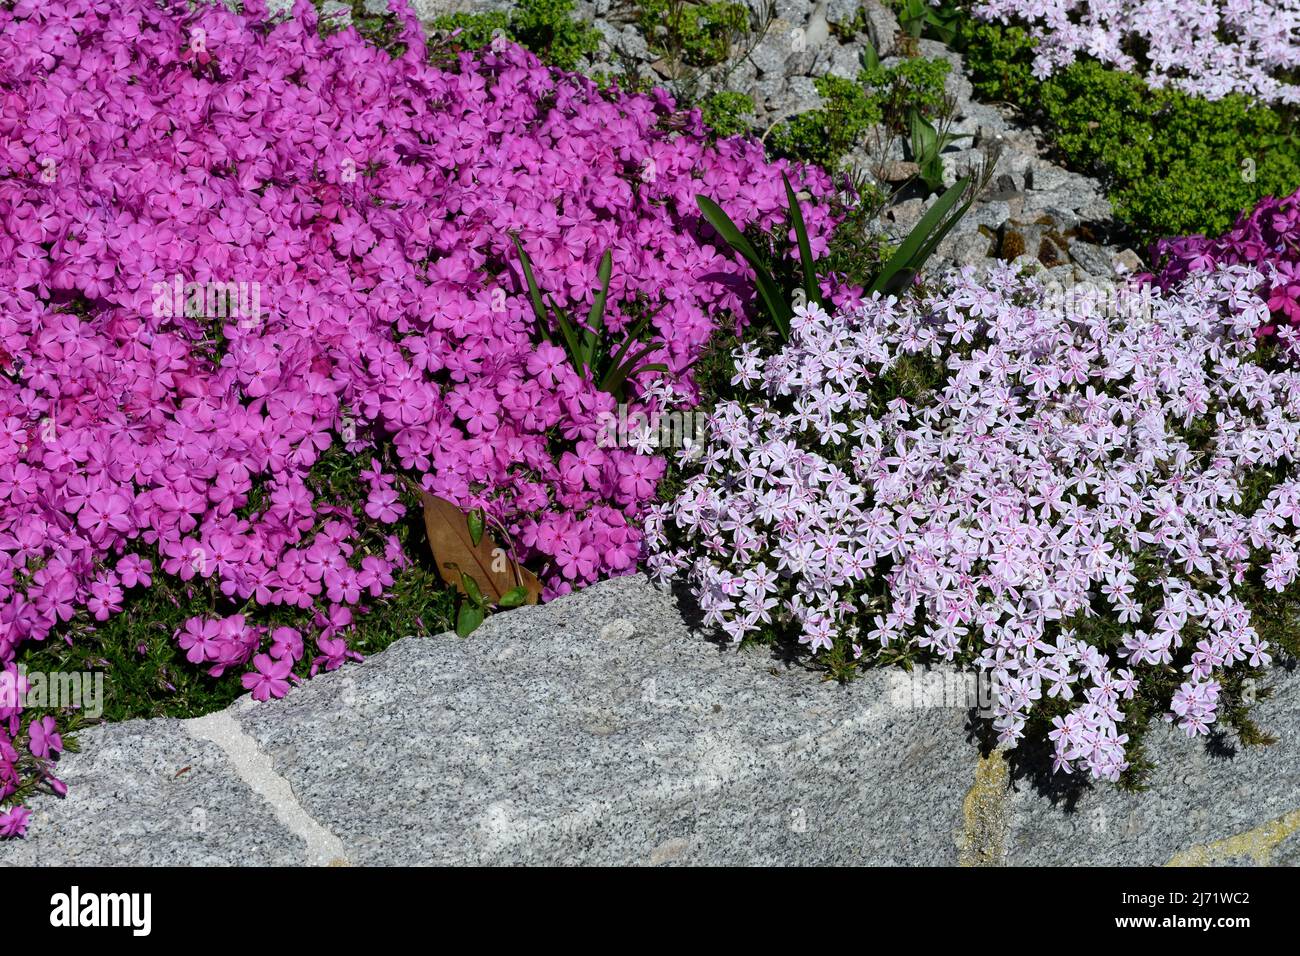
625 373
596 317
916 239
937 237
539 307
615 364
924 141
927 250
571 342
777 309
633 337
870 58
621 373
805 249
578 349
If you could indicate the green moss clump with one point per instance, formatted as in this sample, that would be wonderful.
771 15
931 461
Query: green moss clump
548 28
476 29
848 29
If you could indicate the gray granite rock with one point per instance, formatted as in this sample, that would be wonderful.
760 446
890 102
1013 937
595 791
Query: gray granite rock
599 729
1202 808
1126 261
803 95
844 62
986 216
842 11
602 729
1044 176
338 12
959 162
428 9
146 793
771 55
904 216
982 121
1092 258
966 248
882 27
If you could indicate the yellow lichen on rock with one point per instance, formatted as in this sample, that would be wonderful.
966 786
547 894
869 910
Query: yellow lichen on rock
1257 844
984 812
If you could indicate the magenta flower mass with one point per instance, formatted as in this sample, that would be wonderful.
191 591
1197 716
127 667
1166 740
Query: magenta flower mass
343 327
228 244
1266 238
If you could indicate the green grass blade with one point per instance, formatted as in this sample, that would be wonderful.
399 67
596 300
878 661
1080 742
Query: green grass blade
650 367
616 362
933 242
570 340
918 261
618 376
596 317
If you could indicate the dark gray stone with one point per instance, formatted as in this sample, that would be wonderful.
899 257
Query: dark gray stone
1092 258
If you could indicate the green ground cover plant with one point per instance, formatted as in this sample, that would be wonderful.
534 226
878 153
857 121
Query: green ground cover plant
693 34
546 27
878 96
1171 163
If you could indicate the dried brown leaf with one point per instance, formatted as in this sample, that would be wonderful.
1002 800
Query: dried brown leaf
492 567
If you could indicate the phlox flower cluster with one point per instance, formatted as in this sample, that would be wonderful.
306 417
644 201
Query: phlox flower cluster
1063 468
1206 47
1267 238
360 208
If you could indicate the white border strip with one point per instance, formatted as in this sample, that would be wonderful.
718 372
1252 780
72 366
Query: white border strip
256 769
